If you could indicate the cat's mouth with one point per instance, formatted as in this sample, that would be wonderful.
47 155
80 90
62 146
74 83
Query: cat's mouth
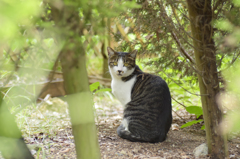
119 73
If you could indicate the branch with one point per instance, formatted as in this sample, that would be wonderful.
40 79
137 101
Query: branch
178 115
182 28
121 30
181 86
231 63
95 48
15 68
179 102
186 55
218 3
51 75
181 48
135 31
174 35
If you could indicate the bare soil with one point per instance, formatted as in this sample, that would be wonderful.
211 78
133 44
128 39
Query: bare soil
180 143
45 141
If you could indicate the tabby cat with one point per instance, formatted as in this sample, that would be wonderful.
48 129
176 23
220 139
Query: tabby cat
147 115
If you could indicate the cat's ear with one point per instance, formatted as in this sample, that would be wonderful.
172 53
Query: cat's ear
133 54
110 51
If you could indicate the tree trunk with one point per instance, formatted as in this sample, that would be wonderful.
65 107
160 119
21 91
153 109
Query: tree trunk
80 104
76 84
200 13
105 42
106 73
12 144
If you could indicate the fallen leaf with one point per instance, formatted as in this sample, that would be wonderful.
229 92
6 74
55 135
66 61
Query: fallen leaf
66 150
175 127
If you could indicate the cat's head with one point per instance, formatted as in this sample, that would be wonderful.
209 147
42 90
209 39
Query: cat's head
121 64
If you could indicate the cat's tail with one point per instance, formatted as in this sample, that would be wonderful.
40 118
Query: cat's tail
152 137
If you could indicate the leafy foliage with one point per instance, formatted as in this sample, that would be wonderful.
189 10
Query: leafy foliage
13 19
160 30
229 100
95 88
195 110
191 123
33 40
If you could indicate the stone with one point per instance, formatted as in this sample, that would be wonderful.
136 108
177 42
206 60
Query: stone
201 150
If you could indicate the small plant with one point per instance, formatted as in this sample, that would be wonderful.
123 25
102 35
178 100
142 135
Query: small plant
94 88
198 112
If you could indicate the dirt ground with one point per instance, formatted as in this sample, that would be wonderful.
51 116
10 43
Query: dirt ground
59 143
180 143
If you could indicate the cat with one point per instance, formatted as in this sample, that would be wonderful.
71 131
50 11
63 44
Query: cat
146 98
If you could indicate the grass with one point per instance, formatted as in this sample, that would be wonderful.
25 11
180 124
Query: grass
52 115
46 125
45 117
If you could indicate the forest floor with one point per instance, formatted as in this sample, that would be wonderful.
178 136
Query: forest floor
47 131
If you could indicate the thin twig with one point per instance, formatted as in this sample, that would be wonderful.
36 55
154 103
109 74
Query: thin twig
15 68
51 75
181 47
231 63
181 86
219 2
175 37
178 115
178 102
184 31
178 42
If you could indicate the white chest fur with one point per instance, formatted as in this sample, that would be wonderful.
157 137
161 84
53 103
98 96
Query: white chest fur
122 90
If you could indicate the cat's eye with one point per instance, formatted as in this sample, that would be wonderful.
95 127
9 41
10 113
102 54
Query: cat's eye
126 64
115 63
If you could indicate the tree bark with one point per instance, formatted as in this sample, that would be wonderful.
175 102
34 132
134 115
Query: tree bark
80 104
76 84
105 42
200 14
12 144
106 73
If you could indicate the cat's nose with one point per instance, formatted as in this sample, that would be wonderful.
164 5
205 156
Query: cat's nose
120 71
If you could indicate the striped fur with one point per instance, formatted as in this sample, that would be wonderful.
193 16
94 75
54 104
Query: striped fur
147 117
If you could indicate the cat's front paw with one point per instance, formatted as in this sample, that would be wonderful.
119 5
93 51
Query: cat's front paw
122 130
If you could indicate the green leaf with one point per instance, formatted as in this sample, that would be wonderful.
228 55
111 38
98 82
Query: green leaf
94 86
224 25
203 127
198 115
236 3
173 85
191 123
104 90
184 98
195 110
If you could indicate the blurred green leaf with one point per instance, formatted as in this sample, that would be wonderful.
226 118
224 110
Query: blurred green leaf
236 3
104 90
94 86
13 16
232 75
195 110
224 25
191 123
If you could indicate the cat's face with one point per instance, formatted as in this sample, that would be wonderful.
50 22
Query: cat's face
121 64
